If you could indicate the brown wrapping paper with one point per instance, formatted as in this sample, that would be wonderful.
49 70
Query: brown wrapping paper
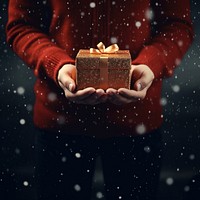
103 70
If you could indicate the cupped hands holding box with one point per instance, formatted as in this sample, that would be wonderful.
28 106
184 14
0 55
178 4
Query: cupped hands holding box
105 74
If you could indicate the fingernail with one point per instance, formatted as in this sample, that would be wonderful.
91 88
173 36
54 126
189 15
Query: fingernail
139 86
70 87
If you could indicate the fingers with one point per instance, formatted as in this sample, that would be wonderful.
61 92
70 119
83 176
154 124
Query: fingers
132 94
115 97
80 95
118 99
111 91
97 97
88 96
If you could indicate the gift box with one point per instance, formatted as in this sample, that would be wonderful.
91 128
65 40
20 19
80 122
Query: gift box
103 69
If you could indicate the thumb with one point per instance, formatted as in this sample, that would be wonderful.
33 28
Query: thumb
66 82
67 77
138 86
144 81
143 77
70 84
142 84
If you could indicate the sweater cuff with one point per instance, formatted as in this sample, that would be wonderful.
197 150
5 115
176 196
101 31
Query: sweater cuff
54 61
154 59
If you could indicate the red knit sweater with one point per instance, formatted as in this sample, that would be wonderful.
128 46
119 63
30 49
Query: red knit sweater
48 34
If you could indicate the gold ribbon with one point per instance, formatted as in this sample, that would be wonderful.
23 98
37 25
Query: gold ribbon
102 49
103 63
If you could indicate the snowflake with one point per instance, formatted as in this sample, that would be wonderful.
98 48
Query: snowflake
17 151
169 181
77 188
82 14
113 40
180 43
52 96
63 159
113 2
140 129
22 121
147 149
92 5
138 24
20 90
192 157
187 188
163 101
177 61
78 155
29 107
176 88
99 195
149 14
61 120
25 183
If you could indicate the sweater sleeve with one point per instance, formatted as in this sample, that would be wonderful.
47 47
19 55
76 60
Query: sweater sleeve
172 38
29 41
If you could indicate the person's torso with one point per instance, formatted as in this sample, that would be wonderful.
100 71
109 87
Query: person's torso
83 24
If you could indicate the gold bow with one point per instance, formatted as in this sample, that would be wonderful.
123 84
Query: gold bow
102 49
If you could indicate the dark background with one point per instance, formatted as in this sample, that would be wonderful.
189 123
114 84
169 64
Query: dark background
181 129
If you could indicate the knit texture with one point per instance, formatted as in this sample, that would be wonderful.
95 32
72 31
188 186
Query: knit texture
48 34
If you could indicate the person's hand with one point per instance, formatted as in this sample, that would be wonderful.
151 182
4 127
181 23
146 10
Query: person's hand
141 79
66 79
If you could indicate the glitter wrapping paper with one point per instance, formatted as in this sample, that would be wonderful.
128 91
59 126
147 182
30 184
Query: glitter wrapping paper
103 70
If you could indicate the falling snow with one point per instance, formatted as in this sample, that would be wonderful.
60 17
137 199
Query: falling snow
22 121
169 181
192 157
63 159
149 14
99 195
52 96
25 183
176 88
138 24
78 155
77 188
180 103
17 151
163 101
20 90
147 149
92 5
140 129
187 188
113 40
